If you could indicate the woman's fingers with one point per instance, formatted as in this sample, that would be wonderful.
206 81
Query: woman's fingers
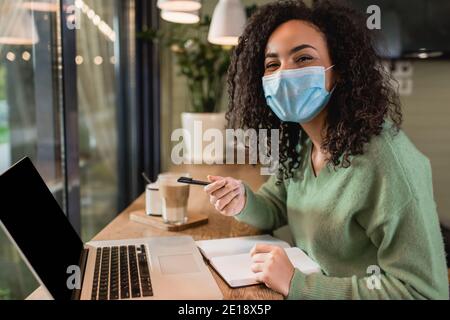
213 178
226 189
224 201
226 194
260 257
230 208
222 192
221 186
210 188
262 248
213 200
263 278
257 267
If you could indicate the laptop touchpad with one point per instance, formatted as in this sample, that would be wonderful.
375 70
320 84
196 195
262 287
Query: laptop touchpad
175 264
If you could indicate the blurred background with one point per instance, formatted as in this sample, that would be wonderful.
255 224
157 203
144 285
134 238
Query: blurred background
91 90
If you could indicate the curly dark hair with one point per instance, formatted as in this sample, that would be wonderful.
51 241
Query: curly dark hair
363 97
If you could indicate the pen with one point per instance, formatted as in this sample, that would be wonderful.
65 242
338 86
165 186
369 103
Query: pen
192 181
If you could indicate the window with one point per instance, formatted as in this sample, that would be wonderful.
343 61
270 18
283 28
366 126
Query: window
74 102
30 114
97 109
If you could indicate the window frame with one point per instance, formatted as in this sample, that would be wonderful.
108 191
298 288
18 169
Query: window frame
138 103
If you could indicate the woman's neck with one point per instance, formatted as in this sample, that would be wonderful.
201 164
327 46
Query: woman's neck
315 129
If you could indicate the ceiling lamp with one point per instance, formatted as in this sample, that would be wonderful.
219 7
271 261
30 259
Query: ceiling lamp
179 5
17 26
187 17
41 5
228 22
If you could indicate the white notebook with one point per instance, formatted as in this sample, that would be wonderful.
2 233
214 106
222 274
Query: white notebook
230 257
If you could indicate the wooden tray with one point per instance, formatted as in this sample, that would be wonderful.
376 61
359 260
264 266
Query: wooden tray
194 220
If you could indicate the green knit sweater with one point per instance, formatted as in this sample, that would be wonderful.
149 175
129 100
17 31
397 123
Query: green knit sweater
377 214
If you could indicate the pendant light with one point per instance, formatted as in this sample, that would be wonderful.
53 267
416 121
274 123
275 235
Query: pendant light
228 22
41 5
179 5
17 26
186 17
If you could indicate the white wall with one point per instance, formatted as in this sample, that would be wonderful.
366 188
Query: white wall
427 123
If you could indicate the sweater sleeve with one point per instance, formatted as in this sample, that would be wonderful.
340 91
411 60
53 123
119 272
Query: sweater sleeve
410 258
265 209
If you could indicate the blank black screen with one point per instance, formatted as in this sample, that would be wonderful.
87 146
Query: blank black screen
40 228
410 24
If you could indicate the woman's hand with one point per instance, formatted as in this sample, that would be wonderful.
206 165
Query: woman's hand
227 195
272 267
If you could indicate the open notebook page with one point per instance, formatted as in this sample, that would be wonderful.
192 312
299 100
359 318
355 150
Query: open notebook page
233 246
235 270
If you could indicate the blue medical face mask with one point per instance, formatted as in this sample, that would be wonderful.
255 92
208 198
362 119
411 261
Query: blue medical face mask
297 95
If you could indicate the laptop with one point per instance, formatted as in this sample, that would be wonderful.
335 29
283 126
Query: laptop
146 268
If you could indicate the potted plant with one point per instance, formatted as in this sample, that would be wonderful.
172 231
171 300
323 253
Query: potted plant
204 65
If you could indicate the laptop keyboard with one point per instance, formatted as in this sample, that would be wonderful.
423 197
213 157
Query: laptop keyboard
121 273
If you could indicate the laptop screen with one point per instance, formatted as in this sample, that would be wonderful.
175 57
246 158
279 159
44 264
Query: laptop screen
39 227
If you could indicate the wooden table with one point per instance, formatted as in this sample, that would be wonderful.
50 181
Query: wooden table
218 226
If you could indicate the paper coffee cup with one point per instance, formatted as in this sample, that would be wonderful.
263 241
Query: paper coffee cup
152 200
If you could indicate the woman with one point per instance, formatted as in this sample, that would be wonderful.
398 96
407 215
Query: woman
355 192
